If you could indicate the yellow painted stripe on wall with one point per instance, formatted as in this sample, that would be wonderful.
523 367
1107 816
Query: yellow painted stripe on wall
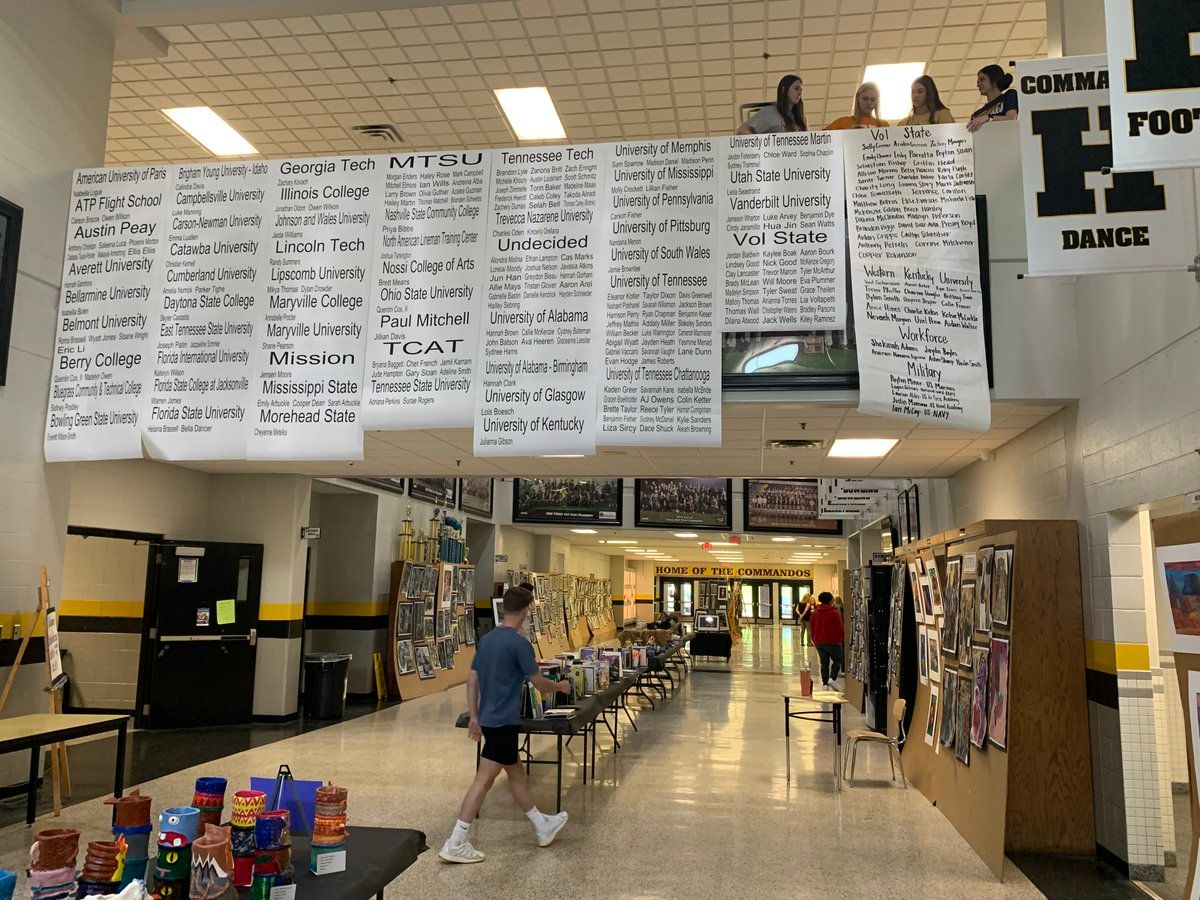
280 612
117 609
8 620
347 608
1108 656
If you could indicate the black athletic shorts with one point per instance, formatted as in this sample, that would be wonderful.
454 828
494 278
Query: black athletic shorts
500 744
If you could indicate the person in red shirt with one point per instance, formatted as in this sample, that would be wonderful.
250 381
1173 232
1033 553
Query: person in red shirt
828 632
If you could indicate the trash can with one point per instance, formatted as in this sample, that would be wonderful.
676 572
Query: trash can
325 678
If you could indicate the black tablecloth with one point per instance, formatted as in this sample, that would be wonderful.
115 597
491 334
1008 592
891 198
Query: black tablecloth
374 858
711 643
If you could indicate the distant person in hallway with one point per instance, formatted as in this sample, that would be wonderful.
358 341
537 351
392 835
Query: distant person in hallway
804 612
865 113
995 86
785 114
828 633
504 661
927 105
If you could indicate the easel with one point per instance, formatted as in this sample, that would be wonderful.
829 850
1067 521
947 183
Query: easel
284 778
60 770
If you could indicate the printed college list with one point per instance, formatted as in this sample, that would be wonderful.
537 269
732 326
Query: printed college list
539 354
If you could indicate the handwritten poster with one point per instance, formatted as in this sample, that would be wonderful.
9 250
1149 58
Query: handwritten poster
914 265
662 365
538 369
782 246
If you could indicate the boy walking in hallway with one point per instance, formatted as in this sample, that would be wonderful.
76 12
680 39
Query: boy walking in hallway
504 661
828 632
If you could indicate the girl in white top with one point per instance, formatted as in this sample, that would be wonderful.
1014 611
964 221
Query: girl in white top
787 113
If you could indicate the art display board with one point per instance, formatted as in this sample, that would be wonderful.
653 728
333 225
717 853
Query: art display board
782 220
1175 536
914 264
1036 794
662 365
1077 221
1155 83
410 686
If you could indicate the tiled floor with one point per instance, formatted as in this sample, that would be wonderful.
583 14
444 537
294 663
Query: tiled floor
697 804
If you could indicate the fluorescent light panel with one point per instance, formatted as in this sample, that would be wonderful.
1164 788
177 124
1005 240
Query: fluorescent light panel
210 130
531 113
895 87
585 531
686 534
862 448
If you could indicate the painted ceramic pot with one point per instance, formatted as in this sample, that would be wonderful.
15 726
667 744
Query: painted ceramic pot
243 871
183 820
214 844
331 800
137 844
104 862
130 811
243 841
173 863
55 848
247 805
328 830
212 865
271 830
8 884
210 815
212 785
51 878
135 870
172 890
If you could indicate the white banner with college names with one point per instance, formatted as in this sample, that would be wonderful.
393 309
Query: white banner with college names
1078 221
914 265
426 296
1154 61
210 309
107 313
537 373
662 362
782 245
307 381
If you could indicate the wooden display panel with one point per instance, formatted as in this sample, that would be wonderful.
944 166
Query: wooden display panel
1168 532
411 686
1035 796
855 690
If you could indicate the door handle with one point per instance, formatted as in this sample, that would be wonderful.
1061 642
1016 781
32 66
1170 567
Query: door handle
253 637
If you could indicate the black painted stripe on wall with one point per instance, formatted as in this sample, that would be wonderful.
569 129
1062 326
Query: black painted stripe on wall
102 624
34 653
1102 688
347 623
284 629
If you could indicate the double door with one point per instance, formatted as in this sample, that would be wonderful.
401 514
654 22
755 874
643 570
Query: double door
199 643
677 596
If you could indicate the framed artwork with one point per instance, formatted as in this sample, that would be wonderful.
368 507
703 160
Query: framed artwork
997 727
983 593
962 719
475 496
1002 571
391 485
404 619
935 663
923 656
920 566
430 627
931 722
567 501
470 630
431 580
915 579
425 663
927 599
970 565
406 657
430 604
966 621
935 583
418 622
683 503
785 504
979 696
949 693
11 218
441 491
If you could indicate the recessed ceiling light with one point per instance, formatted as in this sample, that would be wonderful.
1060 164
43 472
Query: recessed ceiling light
585 530
618 542
210 130
686 534
561 456
531 113
722 544
783 540
895 87
862 448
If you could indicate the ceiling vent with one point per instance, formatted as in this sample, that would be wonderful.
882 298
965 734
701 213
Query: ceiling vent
796 445
377 134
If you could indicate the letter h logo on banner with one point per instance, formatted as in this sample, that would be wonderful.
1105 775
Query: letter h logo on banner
1068 159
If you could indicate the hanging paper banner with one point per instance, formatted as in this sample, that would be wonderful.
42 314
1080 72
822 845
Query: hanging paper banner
537 372
107 313
423 332
851 498
1154 60
662 363
918 305
308 375
1077 221
210 313
782 244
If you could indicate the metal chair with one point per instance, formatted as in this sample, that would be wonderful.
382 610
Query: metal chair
860 735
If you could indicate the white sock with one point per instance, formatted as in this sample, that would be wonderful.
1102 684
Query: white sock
536 818
459 835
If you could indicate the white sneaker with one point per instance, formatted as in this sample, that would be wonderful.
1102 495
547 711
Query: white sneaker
829 686
554 825
461 853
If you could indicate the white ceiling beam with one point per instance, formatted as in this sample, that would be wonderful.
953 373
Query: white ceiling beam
157 13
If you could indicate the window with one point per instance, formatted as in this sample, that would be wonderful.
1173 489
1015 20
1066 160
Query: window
687 598
747 601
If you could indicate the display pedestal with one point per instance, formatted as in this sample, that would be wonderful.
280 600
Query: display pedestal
1035 796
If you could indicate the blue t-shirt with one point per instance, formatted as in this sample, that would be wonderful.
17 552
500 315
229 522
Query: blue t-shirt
503 659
